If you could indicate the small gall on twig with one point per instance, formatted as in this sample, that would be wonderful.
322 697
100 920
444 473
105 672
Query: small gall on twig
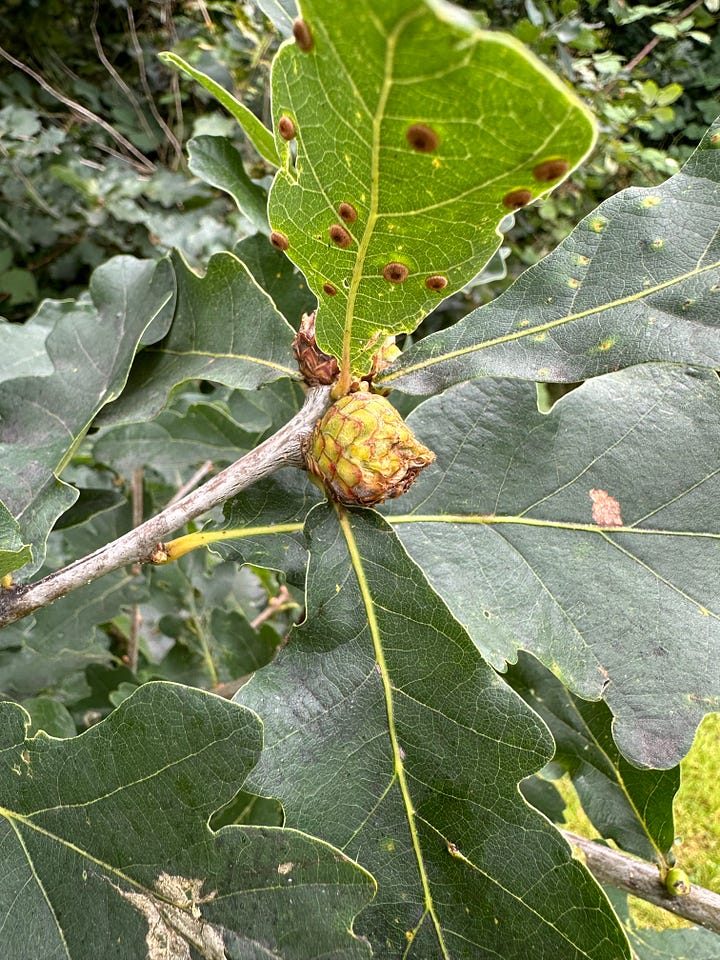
606 509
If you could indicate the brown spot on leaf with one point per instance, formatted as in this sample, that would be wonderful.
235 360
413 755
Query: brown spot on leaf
347 212
436 282
303 35
606 509
286 128
551 170
279 240
329 289
395 272
422 138
339 235
516 199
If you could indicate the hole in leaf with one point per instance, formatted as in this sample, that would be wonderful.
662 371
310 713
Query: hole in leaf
422 138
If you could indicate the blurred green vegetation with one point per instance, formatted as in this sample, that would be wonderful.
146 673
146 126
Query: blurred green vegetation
697 825
74 192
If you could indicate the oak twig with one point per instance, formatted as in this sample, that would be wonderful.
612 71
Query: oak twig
282 449
642 880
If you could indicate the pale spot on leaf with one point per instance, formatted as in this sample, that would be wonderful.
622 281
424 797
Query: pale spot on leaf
174 927
606 509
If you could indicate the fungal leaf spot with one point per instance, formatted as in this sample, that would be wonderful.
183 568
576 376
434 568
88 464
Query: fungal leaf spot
597 224
605 509
517 199
550 170
422 138
339 235
329 289
395 272
650 201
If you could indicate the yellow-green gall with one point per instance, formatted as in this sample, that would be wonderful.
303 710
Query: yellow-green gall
363 451
677 883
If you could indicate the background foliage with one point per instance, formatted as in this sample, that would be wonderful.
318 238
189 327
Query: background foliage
74 194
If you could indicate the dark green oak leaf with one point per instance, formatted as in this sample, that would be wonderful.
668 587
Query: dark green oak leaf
388 735
632 806
44 418
588 536
636 280
107 849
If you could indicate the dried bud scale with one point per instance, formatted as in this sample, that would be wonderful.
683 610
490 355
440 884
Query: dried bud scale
315 366
363 451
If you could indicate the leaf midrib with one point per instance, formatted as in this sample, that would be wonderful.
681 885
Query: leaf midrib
399 769
363 246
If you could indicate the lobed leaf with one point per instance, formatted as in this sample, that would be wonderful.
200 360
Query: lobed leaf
388 735
633 807
105 841
405 135
44 418
216 161
226 329
13 552
588 537
636 280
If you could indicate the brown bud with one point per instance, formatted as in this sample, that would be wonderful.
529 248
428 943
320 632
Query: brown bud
315 366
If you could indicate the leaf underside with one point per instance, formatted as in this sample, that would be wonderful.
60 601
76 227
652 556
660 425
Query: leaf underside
422 126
